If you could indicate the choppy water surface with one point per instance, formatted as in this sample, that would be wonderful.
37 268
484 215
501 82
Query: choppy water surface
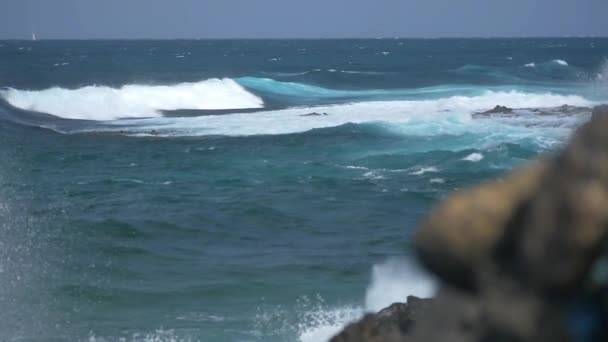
252 190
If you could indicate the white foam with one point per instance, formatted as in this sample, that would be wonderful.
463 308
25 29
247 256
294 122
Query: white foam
133 101
424 170
473 157
160 335
443 115
391 281
560 62
437 181
394 280
530 65
322 324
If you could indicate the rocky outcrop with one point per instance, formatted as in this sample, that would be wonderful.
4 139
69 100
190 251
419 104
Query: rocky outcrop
524 258
499 110
391 324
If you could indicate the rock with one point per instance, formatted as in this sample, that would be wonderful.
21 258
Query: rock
499 110
477 219
315 114
390 324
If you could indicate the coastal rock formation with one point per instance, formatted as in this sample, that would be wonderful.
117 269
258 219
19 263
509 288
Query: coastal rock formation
389 324
524 258
499 110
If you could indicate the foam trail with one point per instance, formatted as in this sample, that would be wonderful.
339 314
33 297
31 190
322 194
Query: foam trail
133 101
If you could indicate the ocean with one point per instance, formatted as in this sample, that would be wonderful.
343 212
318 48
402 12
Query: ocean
253 190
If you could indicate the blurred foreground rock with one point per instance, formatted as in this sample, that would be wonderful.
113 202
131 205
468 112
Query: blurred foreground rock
521 259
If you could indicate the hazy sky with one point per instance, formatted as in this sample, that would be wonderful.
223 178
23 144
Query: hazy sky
300 18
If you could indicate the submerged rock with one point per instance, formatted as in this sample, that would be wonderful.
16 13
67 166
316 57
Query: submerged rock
524 258
498 110
315 114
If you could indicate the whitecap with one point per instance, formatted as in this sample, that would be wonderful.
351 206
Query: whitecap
130 180
437 181
473 157
530 65
560 62
373 175
424 170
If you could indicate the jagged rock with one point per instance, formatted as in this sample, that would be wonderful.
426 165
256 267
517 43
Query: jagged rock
498 110
390 324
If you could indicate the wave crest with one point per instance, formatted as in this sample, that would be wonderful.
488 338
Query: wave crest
133 101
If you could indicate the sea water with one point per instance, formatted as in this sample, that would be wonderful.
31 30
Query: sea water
252 190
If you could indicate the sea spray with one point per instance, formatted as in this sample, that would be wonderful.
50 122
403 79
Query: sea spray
391 281
394 280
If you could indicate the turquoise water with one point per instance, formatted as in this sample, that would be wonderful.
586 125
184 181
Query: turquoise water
132 211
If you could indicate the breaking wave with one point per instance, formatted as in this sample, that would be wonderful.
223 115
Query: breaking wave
132 101
425 117
295 91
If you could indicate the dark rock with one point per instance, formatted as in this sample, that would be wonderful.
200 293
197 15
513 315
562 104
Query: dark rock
314 114
390 324
499 110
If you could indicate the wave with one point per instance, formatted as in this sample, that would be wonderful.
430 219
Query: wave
322 71
299 91
560 62
425 117
132 101
534 71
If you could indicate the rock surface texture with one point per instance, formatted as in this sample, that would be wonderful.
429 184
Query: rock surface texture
520 259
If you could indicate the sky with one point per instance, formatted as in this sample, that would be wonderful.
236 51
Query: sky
169 19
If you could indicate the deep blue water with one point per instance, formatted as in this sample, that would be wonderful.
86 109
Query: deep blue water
179 190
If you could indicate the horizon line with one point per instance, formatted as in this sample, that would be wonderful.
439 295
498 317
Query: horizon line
304 38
